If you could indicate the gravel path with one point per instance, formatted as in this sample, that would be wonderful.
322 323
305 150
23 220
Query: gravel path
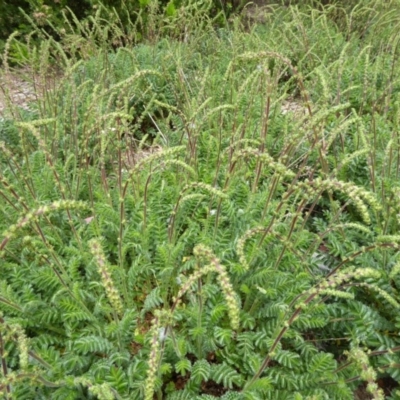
22 87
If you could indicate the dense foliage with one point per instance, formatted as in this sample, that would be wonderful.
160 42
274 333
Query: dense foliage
210 213
48 14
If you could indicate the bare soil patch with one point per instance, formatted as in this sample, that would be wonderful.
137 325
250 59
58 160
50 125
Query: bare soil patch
21 87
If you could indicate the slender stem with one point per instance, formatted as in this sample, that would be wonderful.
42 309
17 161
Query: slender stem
4 366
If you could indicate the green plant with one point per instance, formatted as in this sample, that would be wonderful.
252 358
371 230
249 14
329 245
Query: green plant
170 230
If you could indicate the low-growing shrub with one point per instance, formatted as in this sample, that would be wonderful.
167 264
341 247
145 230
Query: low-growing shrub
208 215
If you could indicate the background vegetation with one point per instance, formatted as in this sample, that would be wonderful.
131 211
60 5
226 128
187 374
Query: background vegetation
13 13
203 211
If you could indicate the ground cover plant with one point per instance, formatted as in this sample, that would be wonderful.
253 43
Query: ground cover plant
212 213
